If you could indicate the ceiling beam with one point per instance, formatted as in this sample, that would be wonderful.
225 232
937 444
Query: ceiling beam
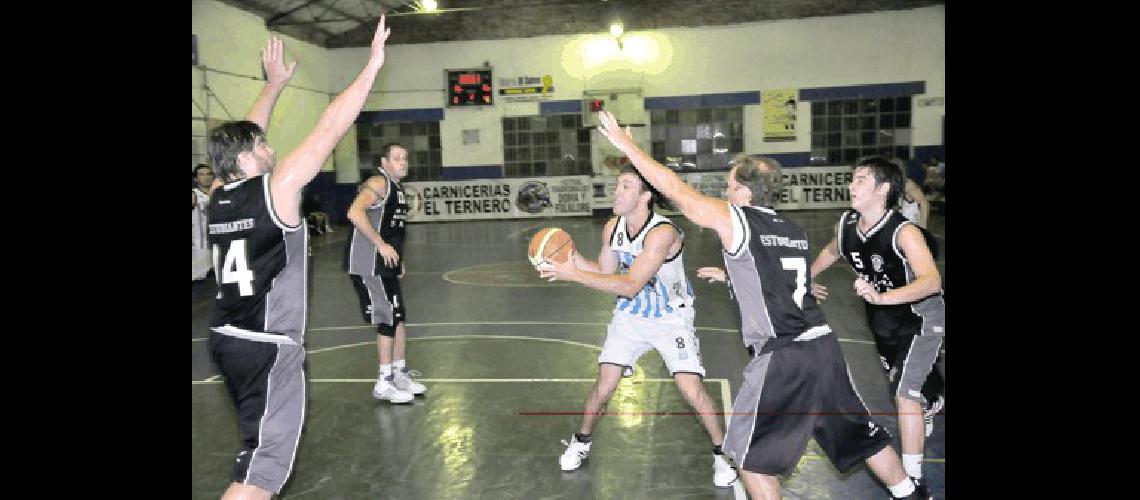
272 20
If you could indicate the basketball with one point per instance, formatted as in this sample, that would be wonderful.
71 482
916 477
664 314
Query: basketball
550 244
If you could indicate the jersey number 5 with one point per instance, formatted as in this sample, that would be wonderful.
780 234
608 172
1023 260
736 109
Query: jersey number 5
235 269
799 265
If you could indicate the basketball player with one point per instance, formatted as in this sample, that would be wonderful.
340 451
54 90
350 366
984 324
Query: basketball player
654 310
912 203
797 384
200 197
903 292
375 266
260 249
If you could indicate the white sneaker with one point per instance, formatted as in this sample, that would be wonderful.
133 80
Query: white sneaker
723 473
403 381
384 390
575 453
929 413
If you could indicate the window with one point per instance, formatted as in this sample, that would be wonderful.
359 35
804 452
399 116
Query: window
548 145
843 131
697 138
421 139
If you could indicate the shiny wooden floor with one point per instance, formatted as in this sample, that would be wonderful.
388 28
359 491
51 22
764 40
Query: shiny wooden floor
508 360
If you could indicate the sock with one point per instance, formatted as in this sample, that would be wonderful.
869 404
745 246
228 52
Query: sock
717 450
582 438
902 489
386 371
913 465
400 364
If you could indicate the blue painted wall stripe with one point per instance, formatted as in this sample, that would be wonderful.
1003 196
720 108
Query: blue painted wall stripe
401 115
872 91
560 107
471 172
703 100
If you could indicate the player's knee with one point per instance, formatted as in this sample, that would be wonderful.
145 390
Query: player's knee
386 330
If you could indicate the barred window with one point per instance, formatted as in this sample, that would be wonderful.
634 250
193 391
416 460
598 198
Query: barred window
546 145
421 139
696 138
843 131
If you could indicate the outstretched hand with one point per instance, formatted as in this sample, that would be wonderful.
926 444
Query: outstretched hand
711 273
608 126
379 39
273 61
819 292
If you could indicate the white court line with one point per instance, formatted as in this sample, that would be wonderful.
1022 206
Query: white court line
468 269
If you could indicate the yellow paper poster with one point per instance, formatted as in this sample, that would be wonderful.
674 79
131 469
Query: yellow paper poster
779 115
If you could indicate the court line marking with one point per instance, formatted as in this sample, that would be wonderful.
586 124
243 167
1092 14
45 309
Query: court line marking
725 394
468 270
538 323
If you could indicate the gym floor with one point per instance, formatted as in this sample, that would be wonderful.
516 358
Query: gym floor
508 359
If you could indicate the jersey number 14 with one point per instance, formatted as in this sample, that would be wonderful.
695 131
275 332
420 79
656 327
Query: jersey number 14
235 268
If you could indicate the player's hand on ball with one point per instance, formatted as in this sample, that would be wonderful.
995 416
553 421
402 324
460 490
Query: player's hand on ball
554 271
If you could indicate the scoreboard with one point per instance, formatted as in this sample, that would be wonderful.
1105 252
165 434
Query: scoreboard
470 87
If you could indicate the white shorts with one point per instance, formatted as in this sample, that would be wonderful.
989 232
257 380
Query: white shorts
628 337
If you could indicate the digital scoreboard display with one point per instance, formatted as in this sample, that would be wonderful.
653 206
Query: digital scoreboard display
470 87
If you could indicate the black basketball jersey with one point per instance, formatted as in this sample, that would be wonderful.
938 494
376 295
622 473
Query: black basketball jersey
259 262
388 217
876 256
769 278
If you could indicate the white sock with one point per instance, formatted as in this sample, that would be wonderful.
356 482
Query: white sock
399 364
385 371
913 465
902 489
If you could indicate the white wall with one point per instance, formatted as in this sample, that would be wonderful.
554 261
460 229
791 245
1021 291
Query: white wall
231 40
882 47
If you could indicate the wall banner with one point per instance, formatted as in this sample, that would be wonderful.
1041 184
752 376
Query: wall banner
518 198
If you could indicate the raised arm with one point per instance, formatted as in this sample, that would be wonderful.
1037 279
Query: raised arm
704 211
297 169
276 76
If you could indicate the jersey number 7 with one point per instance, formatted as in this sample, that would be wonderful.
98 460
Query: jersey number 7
799 265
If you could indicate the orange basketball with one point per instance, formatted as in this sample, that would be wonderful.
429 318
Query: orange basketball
550 244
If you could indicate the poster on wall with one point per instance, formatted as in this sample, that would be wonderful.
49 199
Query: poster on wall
528 197
779 115
526 88
800 189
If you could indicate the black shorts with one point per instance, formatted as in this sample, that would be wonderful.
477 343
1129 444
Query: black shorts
909 361
794 393
381 302
266 383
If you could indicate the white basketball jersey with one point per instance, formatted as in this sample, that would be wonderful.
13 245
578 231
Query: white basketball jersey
668 291
910 210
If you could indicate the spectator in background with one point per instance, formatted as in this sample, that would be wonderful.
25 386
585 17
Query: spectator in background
314 213
200 197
